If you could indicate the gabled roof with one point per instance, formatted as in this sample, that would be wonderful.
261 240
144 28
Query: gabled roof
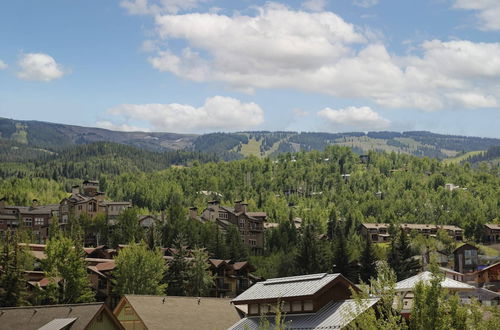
481 294
181 313
283 287
489 267
493 226
35 317
447 283
334 315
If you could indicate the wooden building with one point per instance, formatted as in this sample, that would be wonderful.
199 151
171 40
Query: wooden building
379 232
89 201
36 217
489 277
231 278
316 301
492 233
249 224
466 258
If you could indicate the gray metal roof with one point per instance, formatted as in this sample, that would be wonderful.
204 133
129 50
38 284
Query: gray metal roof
283 287
447 283
335 315
58 324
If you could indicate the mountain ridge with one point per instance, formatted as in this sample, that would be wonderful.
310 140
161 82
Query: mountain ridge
52 137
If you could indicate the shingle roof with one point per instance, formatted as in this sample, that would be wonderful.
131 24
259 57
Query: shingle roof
335 315
292 286
34 317
493 226
447 283
183 313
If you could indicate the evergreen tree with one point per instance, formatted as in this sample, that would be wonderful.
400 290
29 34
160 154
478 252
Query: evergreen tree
309 259
401 257
341 255
199 277
177 272
368 262
236 249
12 284
65 261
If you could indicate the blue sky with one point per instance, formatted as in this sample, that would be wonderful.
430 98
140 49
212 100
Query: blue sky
196 66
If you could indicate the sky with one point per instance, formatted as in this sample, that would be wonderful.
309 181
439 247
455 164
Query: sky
199 66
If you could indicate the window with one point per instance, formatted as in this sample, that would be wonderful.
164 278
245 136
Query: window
308 305
286 307
254 309
64 219
297 306
28 222
39 221
264 308
252 242
242 222
223 215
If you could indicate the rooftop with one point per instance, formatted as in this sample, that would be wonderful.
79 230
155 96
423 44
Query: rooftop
159 312
334 315
293 286
447 283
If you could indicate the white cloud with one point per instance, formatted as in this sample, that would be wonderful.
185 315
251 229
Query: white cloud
39 67
217 113
320 52
3 65
363 118
314 5
365 3
121 127
156 7
487 11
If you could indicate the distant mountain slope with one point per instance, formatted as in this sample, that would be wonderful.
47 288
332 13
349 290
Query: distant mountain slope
34 139
56 136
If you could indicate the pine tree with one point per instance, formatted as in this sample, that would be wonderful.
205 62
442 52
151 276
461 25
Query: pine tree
236 249
199 277
12 284
368 262
309 257
176 274
401 257
139 270
341 255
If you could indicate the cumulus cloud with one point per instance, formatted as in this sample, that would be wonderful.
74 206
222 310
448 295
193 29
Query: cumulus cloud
120 127
487 12
217 113
279 47
363 118
314 5
155 7
39 67
3 66
366 3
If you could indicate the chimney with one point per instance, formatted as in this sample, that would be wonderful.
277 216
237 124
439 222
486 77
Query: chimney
34 203
193 212
239 206
75 190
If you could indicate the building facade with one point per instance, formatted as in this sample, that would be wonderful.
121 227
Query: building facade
379 232
249 224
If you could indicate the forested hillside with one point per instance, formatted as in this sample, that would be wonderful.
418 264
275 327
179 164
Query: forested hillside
31 139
